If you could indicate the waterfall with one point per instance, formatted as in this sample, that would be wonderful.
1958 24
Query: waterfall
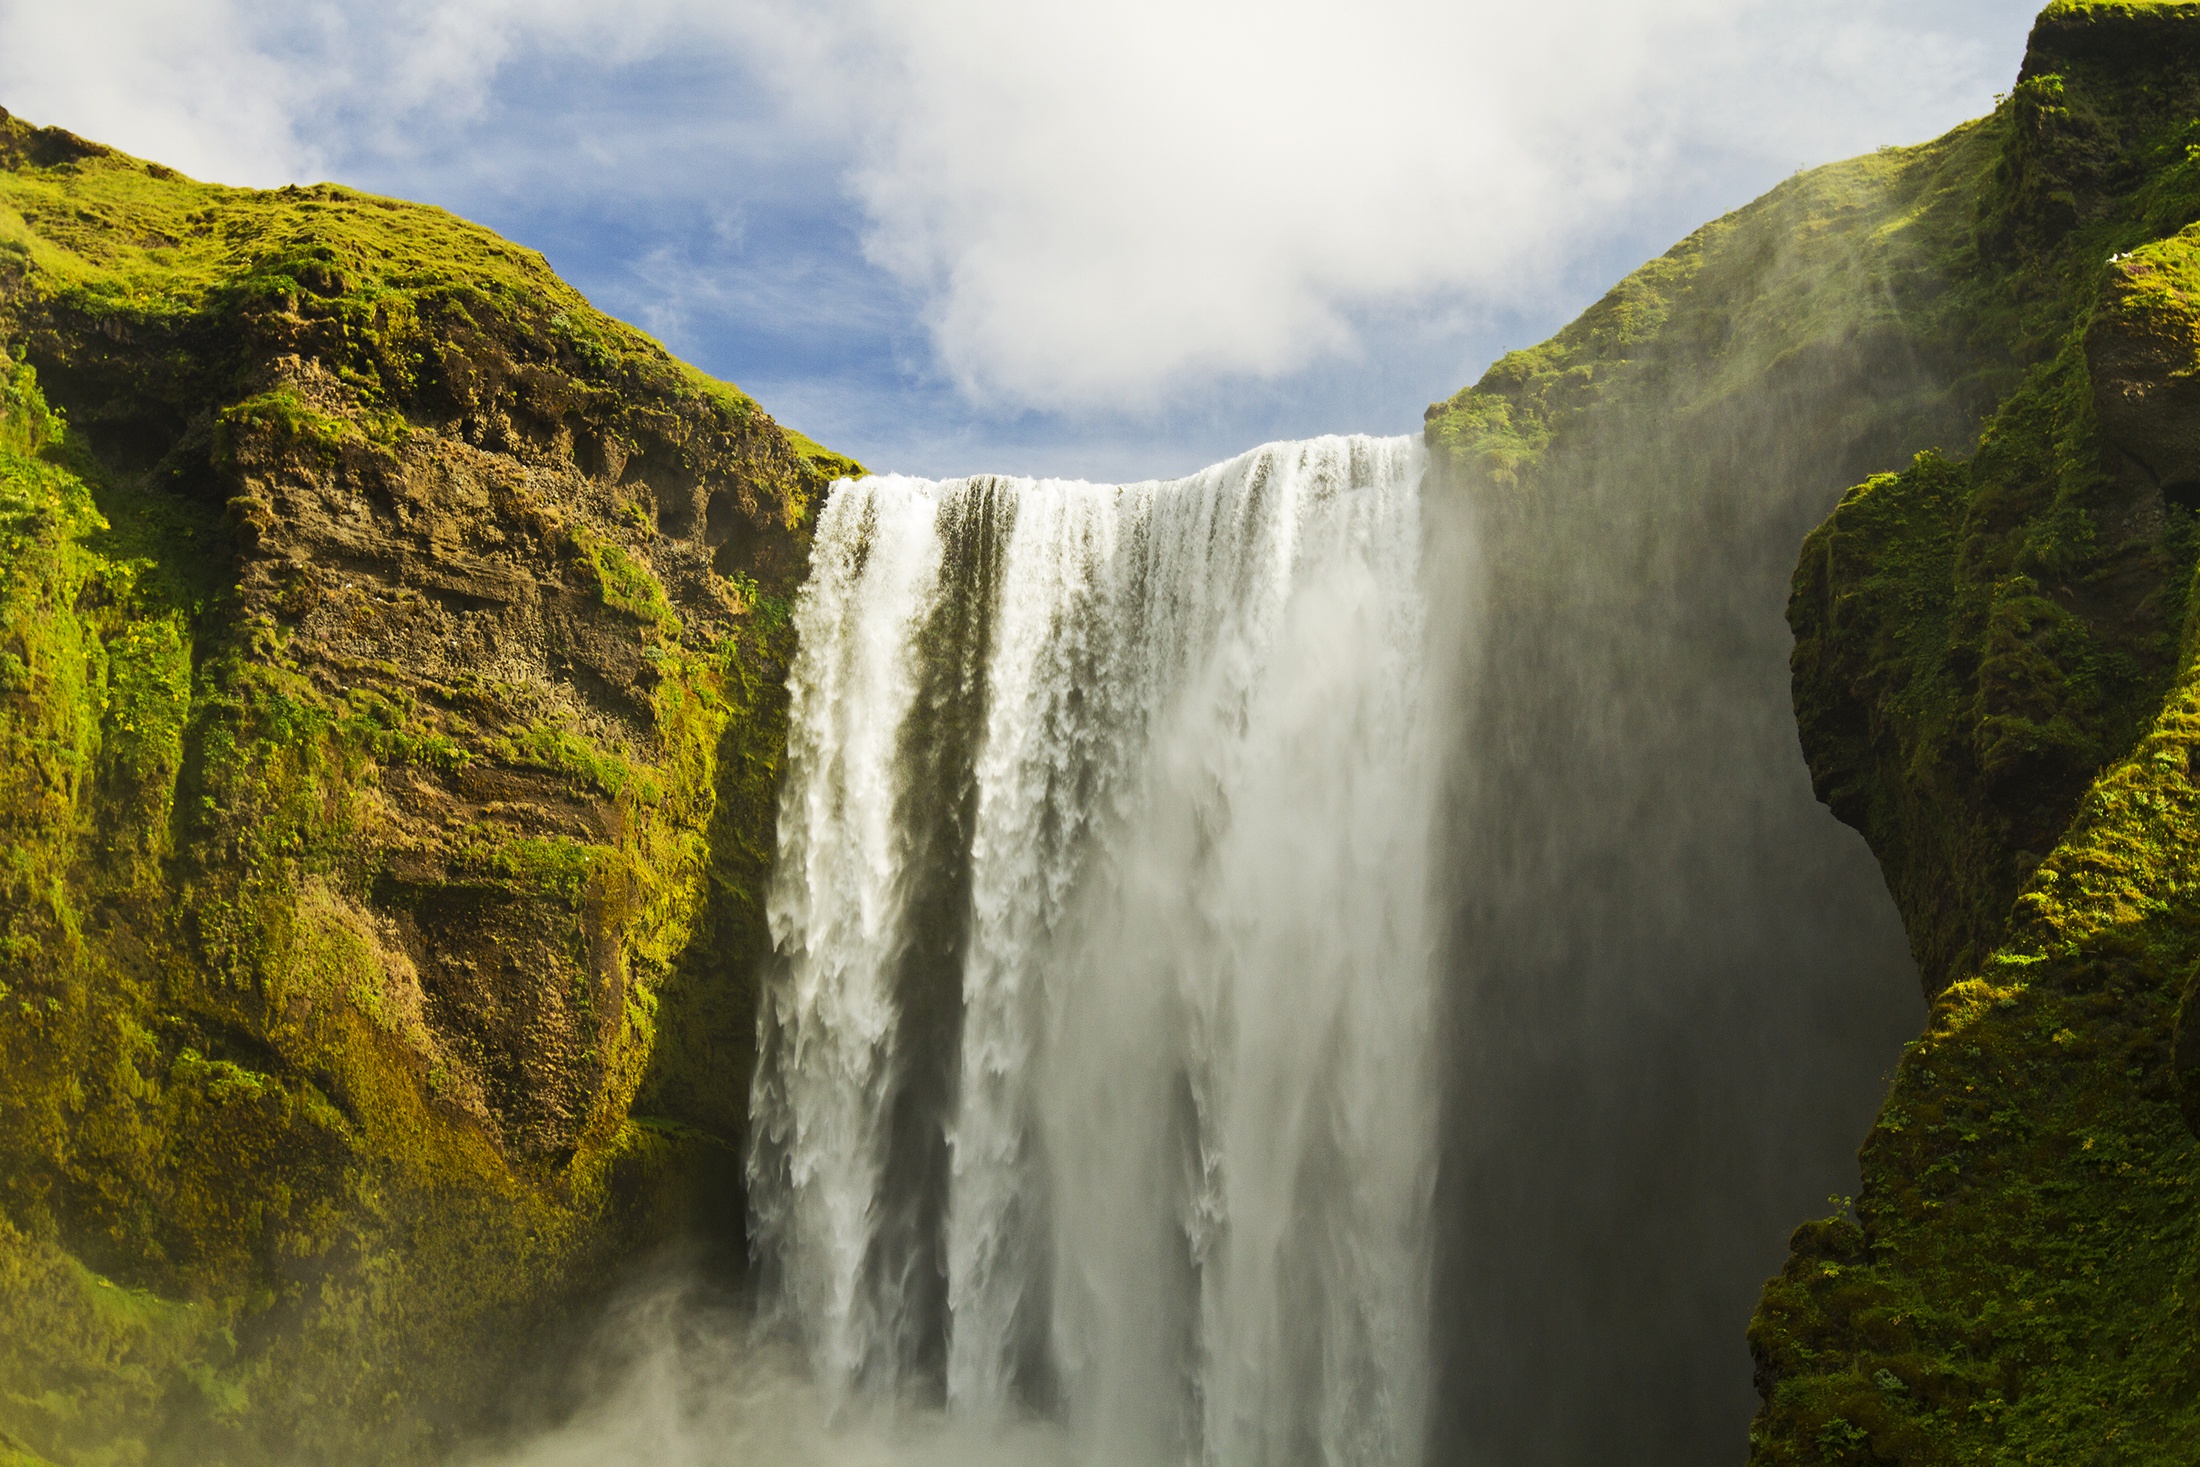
1096 1077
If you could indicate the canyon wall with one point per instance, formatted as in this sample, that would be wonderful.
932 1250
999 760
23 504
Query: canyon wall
1676 994
1995 681
392 654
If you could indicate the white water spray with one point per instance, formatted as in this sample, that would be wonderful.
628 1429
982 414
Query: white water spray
1096 1074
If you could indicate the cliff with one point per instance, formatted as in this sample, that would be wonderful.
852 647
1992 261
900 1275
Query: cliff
1993 677
391 664
1677 979
391 654
1995 680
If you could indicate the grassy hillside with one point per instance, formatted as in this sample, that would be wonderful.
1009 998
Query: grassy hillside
1678 979
390 686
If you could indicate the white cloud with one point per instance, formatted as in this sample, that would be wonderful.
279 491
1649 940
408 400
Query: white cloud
263 91
194 86
1105 200
1101 204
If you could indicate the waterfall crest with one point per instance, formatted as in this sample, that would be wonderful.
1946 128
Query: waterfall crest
1096 1068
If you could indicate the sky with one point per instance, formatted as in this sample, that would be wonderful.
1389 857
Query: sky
1107 241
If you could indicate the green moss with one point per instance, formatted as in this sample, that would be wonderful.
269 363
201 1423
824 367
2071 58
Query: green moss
623 582
365 280
161 297
226 1095
2028 1262
1995 666
832 465
706 1006
2118 10
155 1359
1865 248
557 747
28 427
1997 677
287 421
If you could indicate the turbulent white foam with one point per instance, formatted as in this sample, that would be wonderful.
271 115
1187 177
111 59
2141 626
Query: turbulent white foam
1178 798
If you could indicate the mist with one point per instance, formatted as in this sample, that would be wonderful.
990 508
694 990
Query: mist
1663 986
1677 984
676 1373
1332 958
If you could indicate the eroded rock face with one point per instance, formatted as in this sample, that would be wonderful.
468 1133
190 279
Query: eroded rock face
467 584
1995 673
2142 350
391 701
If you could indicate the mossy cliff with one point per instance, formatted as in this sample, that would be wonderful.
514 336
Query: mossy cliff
1996 675
391 654
1997 680
1651 905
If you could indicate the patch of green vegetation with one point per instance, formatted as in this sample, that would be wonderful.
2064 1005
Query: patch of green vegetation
1997 678
364 282
390 729
556 747
832 465
1997 641
1864 248
287 421
704 1010
553 868
159 298
2025 1257
625 583
225 1096
28 427
2119 10
221 1093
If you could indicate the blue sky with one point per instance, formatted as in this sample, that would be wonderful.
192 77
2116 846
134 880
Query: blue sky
968 235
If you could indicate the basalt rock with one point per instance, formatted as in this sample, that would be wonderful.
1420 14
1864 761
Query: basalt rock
391 654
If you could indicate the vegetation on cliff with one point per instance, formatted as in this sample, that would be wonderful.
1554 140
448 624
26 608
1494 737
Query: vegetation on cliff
1649 900
391 653
1997 680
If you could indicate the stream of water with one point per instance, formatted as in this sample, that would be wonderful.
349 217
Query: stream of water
1096 1083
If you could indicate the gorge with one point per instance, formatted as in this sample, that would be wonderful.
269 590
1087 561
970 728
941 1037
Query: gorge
1338 958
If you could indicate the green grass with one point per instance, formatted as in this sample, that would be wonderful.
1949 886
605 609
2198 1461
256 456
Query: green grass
1996 681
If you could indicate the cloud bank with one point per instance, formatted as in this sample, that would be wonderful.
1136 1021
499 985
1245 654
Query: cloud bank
1090 208
1102 200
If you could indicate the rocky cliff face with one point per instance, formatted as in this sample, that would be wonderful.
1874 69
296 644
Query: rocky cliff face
390 691
1678 979
1993 659
390 653
1995 681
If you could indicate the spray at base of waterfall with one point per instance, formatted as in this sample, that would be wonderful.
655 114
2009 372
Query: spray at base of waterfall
678 1375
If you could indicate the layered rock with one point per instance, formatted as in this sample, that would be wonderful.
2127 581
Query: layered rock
394 655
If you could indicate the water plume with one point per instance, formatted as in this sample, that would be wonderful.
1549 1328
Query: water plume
1096 1080
674 1376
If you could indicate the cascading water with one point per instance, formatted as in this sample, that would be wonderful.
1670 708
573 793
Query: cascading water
1096 1073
